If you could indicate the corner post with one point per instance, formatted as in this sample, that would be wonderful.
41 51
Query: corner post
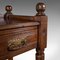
42 31
8 9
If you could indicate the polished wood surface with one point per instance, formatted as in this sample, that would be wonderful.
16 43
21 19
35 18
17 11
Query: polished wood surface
19 34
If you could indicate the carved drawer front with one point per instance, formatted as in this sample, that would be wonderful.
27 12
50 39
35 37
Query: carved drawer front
19 39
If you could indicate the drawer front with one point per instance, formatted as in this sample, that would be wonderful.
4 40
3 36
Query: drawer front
18 38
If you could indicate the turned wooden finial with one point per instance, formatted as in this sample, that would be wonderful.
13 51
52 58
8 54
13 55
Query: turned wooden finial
8 9
40 8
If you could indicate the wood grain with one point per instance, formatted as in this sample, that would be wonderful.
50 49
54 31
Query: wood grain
17 26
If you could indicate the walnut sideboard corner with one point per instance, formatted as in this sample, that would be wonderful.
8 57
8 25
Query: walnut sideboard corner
19 34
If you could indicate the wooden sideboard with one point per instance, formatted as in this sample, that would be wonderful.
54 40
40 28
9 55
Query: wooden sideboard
19 34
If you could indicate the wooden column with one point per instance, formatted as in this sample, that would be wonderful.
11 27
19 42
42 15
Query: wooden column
42 31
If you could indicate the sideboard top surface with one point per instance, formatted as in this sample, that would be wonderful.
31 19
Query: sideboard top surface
4 25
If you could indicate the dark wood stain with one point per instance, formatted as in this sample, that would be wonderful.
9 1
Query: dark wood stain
18 26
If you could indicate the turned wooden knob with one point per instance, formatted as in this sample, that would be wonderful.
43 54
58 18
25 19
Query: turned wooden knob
40 8
8 8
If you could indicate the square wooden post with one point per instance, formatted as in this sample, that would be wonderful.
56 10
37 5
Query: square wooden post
41 32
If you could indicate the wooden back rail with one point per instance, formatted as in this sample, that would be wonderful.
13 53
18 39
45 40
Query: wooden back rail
19 23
